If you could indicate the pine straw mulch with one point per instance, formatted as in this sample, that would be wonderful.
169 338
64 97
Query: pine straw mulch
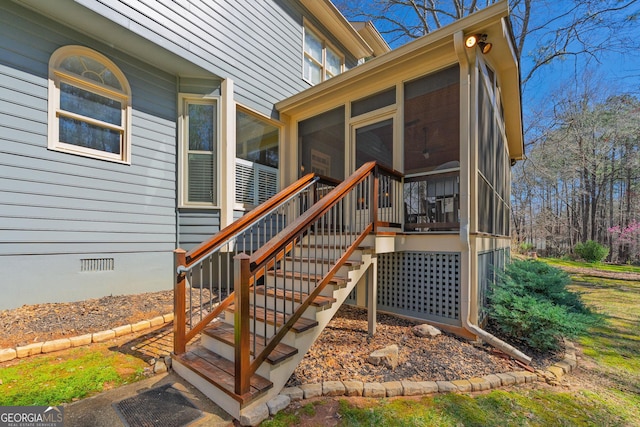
341 351
43 322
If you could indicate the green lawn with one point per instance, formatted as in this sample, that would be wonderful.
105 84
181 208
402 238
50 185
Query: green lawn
55 379
608 395
597 265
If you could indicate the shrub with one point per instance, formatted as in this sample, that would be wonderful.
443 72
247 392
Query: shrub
525 247
591 251
530 304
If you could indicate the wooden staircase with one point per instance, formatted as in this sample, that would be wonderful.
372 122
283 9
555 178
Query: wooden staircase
209 365
285 293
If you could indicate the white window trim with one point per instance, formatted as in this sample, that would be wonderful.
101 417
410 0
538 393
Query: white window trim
58 76
183 149
307 26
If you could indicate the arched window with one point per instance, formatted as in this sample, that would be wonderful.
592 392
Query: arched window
89 105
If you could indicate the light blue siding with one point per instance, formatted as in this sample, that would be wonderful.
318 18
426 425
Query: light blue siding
258 44
58 208
197 225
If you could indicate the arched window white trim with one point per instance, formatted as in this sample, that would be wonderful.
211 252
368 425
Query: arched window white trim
89 105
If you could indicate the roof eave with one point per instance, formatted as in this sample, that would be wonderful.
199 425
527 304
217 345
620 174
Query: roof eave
372 36
433 40
334 21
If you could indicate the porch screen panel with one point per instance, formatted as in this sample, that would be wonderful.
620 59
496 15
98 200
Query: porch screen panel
432 122
493 160
375 142
321 144
424 285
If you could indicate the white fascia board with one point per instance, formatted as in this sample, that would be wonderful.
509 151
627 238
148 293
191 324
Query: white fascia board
334 21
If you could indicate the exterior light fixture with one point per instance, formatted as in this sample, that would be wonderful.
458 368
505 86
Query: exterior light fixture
480 40
472 40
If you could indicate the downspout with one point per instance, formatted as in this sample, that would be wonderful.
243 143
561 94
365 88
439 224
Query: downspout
465 274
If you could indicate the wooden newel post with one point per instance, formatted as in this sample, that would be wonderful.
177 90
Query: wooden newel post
375 198
241 273
179 304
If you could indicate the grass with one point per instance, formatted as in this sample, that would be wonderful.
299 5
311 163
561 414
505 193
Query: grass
608 394
55 379
498 408
557 262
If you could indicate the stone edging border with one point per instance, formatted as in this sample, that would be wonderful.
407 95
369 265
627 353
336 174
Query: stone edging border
18 352
551 375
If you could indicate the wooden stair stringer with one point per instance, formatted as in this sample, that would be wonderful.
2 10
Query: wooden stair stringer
279 374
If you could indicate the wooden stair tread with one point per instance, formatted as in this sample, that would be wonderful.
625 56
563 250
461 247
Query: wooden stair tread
271 317
339 280
348 263
299 297
225 333
221 373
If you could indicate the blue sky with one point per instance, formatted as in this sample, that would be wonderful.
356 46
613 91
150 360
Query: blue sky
611 72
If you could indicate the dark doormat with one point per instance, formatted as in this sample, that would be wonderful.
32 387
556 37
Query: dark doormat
159 407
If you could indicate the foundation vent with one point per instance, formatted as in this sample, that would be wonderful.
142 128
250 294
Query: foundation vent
97 264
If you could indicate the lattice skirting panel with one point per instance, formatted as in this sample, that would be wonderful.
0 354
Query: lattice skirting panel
424 285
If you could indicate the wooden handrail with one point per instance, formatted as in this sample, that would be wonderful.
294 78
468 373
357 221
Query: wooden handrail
198 252
316 211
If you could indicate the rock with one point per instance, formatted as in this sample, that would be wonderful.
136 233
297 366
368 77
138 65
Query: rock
387 356
566 367
462 385
520 377
29 350
56 345
145 324
294 393
374 390
159 367
156 321
168 361
428 386
8 354
333 388
122 330
254 416
311 390
556 370
479 384
506 379
103 336
393 388
425 330
353 388
80 340
493 380
278 403
446 387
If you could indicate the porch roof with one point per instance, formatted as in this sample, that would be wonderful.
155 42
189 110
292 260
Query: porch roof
417 57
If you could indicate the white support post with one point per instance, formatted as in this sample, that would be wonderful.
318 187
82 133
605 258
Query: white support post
372 296
227 153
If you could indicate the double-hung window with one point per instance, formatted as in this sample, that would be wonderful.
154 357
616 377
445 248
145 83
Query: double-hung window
199 151
321 61
89 105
